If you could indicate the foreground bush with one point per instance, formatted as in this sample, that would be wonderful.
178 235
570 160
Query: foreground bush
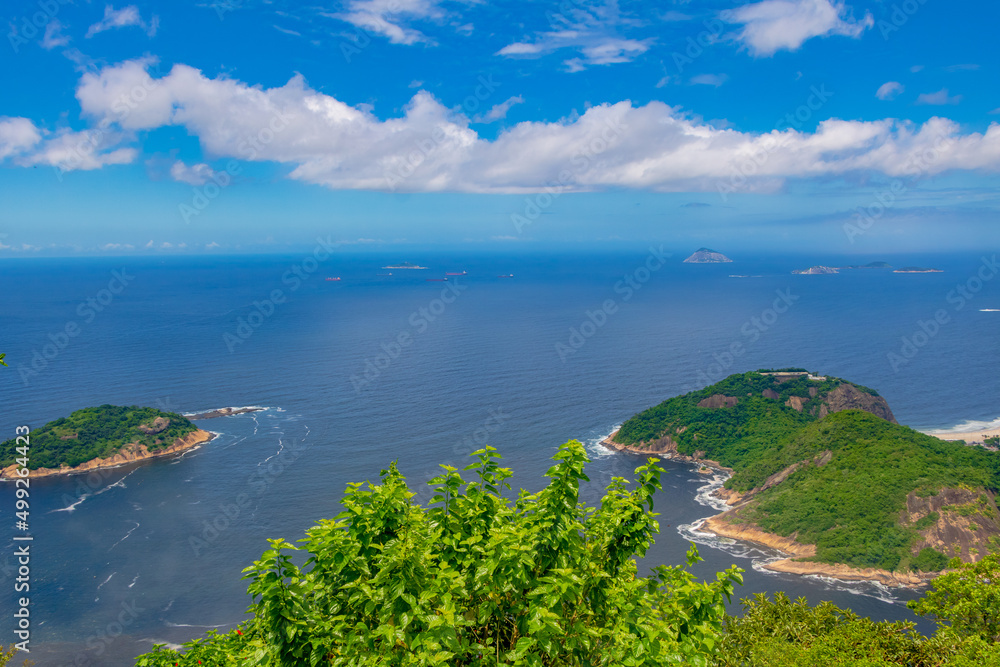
476 579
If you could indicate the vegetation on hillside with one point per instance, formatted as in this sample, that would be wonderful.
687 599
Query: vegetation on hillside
850 507
854 469
95 433
475 578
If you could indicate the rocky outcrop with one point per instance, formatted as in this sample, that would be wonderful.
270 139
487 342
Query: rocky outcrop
848 397
816 270
159 425
222 412
795 402
718 401
965 518
770 393
130 453
664 447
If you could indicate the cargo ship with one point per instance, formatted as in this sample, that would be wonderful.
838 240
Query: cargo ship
337 278
458 273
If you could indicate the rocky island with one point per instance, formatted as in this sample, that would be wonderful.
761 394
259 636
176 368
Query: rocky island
820 469
101 437
706 256
221 412
917 269
816 270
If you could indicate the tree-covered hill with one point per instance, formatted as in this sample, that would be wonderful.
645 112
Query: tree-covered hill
822 461
98 433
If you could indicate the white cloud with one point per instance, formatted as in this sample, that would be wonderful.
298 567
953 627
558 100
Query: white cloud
17 136
117 246
431 148
710 79
86 150
590 28
197 174
212 246
941 97
388 18
499 111
773 25
53 36
123 18
889 90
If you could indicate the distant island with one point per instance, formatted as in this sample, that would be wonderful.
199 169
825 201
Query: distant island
404 265
817 270
706 256
917 269
821 470
102 437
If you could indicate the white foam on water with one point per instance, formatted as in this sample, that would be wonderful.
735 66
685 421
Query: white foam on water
966 427
132 530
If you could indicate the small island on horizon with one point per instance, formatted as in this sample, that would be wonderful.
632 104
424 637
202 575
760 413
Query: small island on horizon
823 270
706 256
404 265
917 269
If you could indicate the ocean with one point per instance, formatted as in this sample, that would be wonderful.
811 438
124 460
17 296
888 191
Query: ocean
356 373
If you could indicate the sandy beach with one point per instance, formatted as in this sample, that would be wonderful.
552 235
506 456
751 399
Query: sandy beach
970 437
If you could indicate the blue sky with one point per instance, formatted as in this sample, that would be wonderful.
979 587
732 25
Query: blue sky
255 126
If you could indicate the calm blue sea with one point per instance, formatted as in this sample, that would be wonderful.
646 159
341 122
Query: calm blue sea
357 372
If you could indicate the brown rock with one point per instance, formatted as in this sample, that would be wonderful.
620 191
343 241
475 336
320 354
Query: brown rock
796 402
718 401
770 393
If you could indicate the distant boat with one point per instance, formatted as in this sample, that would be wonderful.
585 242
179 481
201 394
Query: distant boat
509 275
436 280
404 265
383 274
337 278
463 273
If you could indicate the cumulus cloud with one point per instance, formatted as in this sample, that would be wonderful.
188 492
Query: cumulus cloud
590 28
889 90
17 136
197 174
773 25
432 148
939 98
123 18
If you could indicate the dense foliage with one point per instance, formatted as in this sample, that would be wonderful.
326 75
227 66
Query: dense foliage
95 433
475 578
782 633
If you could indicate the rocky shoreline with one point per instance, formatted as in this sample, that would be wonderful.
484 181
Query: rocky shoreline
129 453
221 412
719 525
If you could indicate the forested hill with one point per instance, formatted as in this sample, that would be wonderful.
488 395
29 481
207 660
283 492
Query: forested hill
822 460
98 432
